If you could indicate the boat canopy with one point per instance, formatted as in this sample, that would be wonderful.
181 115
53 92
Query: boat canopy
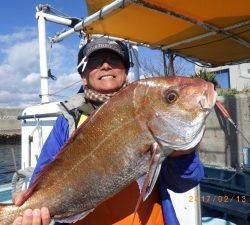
216 32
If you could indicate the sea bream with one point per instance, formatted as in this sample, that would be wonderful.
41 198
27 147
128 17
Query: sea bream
113 147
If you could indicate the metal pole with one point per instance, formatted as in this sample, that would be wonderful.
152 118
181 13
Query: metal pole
198 206
171 64
134 72
200 37
94 17
136 68
43 60
53 18
165 69
202 24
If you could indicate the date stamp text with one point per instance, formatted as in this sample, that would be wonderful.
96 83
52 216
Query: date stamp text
216 198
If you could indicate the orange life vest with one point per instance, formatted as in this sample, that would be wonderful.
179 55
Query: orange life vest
119 209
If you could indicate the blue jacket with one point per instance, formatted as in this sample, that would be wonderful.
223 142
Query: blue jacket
177 174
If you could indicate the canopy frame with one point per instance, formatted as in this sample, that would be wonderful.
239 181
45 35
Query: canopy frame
189 40
213 30
206 26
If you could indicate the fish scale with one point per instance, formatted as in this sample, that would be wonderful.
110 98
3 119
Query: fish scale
111 149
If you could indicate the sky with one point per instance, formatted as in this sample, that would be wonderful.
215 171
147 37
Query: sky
19 53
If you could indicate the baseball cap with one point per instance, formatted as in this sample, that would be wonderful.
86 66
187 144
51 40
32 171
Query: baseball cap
102 44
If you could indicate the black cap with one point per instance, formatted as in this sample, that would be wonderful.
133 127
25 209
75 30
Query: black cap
100 44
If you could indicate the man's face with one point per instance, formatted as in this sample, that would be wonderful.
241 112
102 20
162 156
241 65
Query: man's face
105 72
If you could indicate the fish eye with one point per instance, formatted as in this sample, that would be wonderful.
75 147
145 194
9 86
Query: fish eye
171 96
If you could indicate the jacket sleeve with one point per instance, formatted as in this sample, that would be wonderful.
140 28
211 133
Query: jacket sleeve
182 173
56 139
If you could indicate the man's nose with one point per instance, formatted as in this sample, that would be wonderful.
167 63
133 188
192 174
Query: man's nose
105 66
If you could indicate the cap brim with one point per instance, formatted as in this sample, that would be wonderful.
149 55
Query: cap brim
99 47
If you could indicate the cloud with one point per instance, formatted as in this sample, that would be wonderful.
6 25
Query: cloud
23 56
62 59
65 86
31 79
21 34
10 99
20 72
19 60
66 80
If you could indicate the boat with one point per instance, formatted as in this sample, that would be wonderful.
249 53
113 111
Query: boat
210 32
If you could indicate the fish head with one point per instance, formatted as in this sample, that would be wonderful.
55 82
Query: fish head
176 109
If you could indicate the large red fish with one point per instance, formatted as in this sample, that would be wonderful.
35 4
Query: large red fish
111 148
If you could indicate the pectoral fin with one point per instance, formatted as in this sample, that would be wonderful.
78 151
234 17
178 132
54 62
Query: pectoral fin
154 173
140 181
147 182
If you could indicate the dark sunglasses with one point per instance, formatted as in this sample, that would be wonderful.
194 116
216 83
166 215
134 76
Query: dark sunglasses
97 62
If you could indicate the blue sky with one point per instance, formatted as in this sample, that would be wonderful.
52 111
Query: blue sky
19 55
18 13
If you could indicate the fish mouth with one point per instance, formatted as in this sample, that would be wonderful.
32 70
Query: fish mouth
191 143
209 97
207 105
106 76
178 134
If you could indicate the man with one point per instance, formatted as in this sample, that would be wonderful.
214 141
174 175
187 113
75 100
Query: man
103 65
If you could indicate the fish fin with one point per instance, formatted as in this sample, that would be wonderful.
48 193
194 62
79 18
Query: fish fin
146 182
151 183
140 181
153 178
152 175
71 218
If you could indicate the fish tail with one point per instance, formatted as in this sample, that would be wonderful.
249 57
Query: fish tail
8 213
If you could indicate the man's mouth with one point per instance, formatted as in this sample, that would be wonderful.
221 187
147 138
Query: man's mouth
107 76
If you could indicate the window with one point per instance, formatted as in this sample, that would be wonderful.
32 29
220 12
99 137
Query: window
223 78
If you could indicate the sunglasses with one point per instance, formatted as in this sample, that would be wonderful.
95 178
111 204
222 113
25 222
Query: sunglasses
97 62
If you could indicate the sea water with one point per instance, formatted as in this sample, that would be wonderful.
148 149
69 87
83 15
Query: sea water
7 167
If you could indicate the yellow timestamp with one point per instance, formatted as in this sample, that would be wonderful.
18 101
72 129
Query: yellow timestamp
217 198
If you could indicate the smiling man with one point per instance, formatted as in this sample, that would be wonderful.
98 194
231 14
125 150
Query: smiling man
103 65
107 63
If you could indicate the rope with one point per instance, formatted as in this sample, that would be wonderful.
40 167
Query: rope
191 61
23 175
20 177
54 93
221 180
58 12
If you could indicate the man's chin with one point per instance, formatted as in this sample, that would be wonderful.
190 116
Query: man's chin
108 88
